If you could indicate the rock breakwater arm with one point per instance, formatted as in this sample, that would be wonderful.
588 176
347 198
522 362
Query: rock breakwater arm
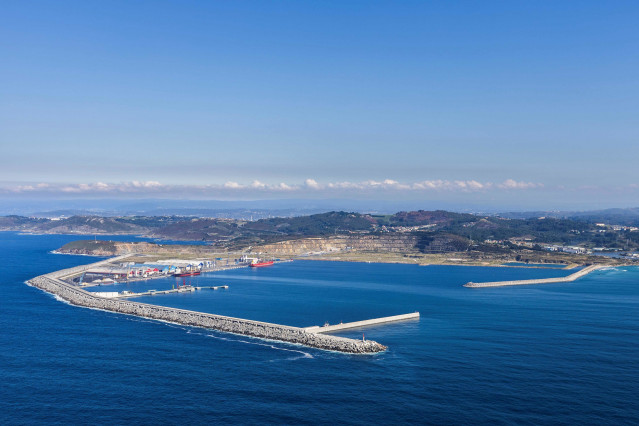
571 277
79 297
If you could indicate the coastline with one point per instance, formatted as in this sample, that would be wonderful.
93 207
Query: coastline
325 249
499 264
76 254
386 258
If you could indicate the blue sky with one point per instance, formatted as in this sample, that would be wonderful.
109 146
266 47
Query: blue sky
509 103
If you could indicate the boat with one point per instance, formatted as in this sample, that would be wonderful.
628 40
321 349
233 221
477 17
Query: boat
187 274
259 264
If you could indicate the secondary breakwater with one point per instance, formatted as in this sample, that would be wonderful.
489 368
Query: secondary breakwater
52 283
571 277
365 323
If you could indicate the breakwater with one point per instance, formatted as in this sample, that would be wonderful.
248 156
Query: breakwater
571 277
79 297
365 323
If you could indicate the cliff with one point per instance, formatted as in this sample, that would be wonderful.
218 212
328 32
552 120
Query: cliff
398 243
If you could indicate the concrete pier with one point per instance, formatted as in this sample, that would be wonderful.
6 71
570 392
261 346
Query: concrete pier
75 295
364 323
569 278
186 289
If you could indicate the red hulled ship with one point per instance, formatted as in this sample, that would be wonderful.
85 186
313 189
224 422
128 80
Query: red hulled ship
261 263
187 274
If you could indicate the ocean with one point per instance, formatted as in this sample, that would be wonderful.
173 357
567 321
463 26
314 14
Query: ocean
563 353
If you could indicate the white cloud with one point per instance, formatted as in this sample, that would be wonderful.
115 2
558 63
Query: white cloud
513 184
312 183
428 184
344 185
284 187
233 185
258 185
101 186
70 189
229 188
446 185
473 184
393 184
137 184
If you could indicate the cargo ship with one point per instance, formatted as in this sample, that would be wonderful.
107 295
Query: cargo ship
187 274
261 263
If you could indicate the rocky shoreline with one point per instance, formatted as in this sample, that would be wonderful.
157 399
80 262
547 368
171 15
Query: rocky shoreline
79 297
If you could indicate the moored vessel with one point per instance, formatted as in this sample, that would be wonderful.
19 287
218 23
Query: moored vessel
259 264
187 274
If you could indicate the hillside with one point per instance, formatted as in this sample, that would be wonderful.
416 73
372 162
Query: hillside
20 223
433 231
627 216
87 225
317 224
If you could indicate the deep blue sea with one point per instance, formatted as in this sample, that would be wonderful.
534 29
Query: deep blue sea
549 354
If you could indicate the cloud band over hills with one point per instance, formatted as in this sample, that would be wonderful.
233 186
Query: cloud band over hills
255 188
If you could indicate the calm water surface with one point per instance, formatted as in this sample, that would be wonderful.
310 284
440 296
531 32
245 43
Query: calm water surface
557 354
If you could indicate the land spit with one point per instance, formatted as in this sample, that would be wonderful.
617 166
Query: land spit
571 277
74 295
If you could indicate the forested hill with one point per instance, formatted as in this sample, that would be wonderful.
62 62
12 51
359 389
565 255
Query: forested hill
86 224
433 228
627 216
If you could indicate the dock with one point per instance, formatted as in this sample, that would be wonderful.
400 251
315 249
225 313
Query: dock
365 323
569 278
173 290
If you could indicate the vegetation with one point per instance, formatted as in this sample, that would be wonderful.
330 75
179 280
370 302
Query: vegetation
627 217
315 225
89 246
19 222
435 231
421 217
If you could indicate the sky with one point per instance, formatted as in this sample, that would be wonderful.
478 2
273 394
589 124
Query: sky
507 104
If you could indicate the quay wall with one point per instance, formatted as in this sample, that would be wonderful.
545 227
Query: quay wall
571 277
364 323
77 296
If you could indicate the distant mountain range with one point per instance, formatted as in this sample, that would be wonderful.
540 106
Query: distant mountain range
256 209
261 209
